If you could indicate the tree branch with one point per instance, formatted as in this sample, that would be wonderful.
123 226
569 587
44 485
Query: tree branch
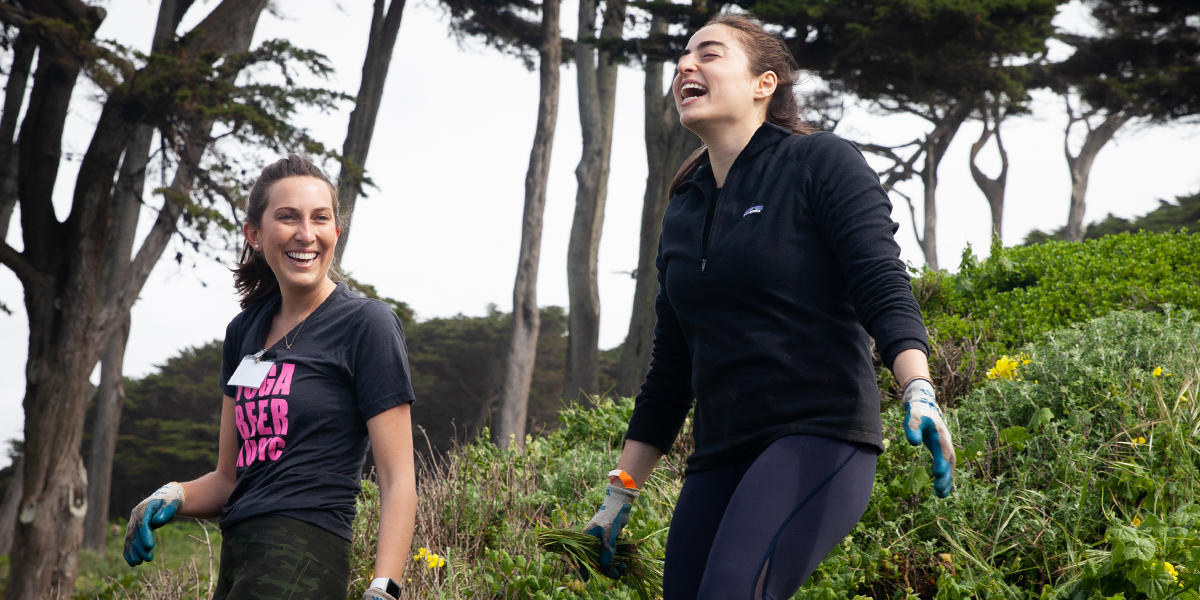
14 260
912 211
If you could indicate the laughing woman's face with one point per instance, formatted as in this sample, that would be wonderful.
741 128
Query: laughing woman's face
714 83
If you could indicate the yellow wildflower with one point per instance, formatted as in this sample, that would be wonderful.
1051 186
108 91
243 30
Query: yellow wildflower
1183 399
1136 521
1140 440
1006 368
1171 570
1157 372
422 552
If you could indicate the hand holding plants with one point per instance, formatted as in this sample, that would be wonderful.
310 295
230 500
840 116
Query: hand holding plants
607 524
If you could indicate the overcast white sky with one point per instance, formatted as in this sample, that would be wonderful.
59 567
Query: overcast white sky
449 158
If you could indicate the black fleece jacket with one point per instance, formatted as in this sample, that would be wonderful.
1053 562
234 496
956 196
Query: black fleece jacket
768 288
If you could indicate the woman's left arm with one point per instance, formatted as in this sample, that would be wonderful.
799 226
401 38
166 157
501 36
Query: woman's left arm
910 364
392 448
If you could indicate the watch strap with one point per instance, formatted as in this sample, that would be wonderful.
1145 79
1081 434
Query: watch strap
387 584
625 478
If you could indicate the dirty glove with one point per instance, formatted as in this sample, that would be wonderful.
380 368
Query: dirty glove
382 588
923 423
607 524
150 514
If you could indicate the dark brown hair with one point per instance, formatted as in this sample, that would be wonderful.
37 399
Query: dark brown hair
252 277
766 53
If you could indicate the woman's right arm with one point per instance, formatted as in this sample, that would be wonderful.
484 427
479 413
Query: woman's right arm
638 459
205 495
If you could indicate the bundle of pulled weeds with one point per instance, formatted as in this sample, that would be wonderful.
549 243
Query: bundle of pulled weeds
582 551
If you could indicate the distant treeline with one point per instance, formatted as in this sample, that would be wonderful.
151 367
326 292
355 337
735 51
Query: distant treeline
1184 212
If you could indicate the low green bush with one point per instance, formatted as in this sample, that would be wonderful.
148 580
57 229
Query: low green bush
1078 477
993 306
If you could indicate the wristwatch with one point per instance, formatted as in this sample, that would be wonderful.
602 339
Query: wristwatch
387 584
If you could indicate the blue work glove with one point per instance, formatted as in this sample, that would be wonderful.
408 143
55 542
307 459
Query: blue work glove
151 513
923 424
607 524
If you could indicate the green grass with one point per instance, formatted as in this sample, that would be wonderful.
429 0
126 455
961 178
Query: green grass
186 560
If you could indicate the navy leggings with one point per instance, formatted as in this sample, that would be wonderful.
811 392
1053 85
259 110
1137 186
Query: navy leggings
758 528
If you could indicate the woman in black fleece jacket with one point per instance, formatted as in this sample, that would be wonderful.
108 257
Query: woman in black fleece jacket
777 260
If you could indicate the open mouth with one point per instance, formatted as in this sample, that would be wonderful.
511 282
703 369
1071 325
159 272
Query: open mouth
302 258
691 91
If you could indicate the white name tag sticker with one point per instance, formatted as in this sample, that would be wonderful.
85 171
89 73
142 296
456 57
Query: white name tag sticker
252 371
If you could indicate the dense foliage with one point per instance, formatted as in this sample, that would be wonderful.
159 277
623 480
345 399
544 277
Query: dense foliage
1077 478
1079 462
992 306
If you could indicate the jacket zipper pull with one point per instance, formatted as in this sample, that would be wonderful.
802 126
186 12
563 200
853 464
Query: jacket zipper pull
703 264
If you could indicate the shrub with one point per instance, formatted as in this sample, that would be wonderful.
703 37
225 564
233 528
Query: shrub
992 307
1077 478
481 505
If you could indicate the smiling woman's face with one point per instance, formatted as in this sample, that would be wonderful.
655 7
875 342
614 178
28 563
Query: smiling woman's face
298 233
713 81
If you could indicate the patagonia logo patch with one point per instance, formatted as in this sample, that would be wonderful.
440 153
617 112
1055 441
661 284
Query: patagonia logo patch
752 210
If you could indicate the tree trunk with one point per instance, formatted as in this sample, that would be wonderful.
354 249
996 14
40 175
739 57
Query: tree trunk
73 312
992 188
110 399
667 144
110 396
1081 164
361 127
526 318
936 143
54 503
597 81
8 509
14 96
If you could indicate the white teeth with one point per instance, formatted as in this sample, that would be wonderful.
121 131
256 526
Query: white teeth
302 255
693 86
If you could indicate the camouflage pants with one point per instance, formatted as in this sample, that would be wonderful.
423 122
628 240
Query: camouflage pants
277 558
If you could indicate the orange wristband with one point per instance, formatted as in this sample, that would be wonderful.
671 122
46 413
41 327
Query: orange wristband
626 480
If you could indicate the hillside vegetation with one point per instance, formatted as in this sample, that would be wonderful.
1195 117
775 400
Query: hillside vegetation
1070 373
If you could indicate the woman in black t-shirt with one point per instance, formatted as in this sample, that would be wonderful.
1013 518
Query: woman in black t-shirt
310 372
776 261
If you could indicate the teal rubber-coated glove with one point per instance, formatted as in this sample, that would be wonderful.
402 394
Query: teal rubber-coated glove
150 514
607 524
923 424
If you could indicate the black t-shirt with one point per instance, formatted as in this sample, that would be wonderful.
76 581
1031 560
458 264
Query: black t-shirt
302 435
